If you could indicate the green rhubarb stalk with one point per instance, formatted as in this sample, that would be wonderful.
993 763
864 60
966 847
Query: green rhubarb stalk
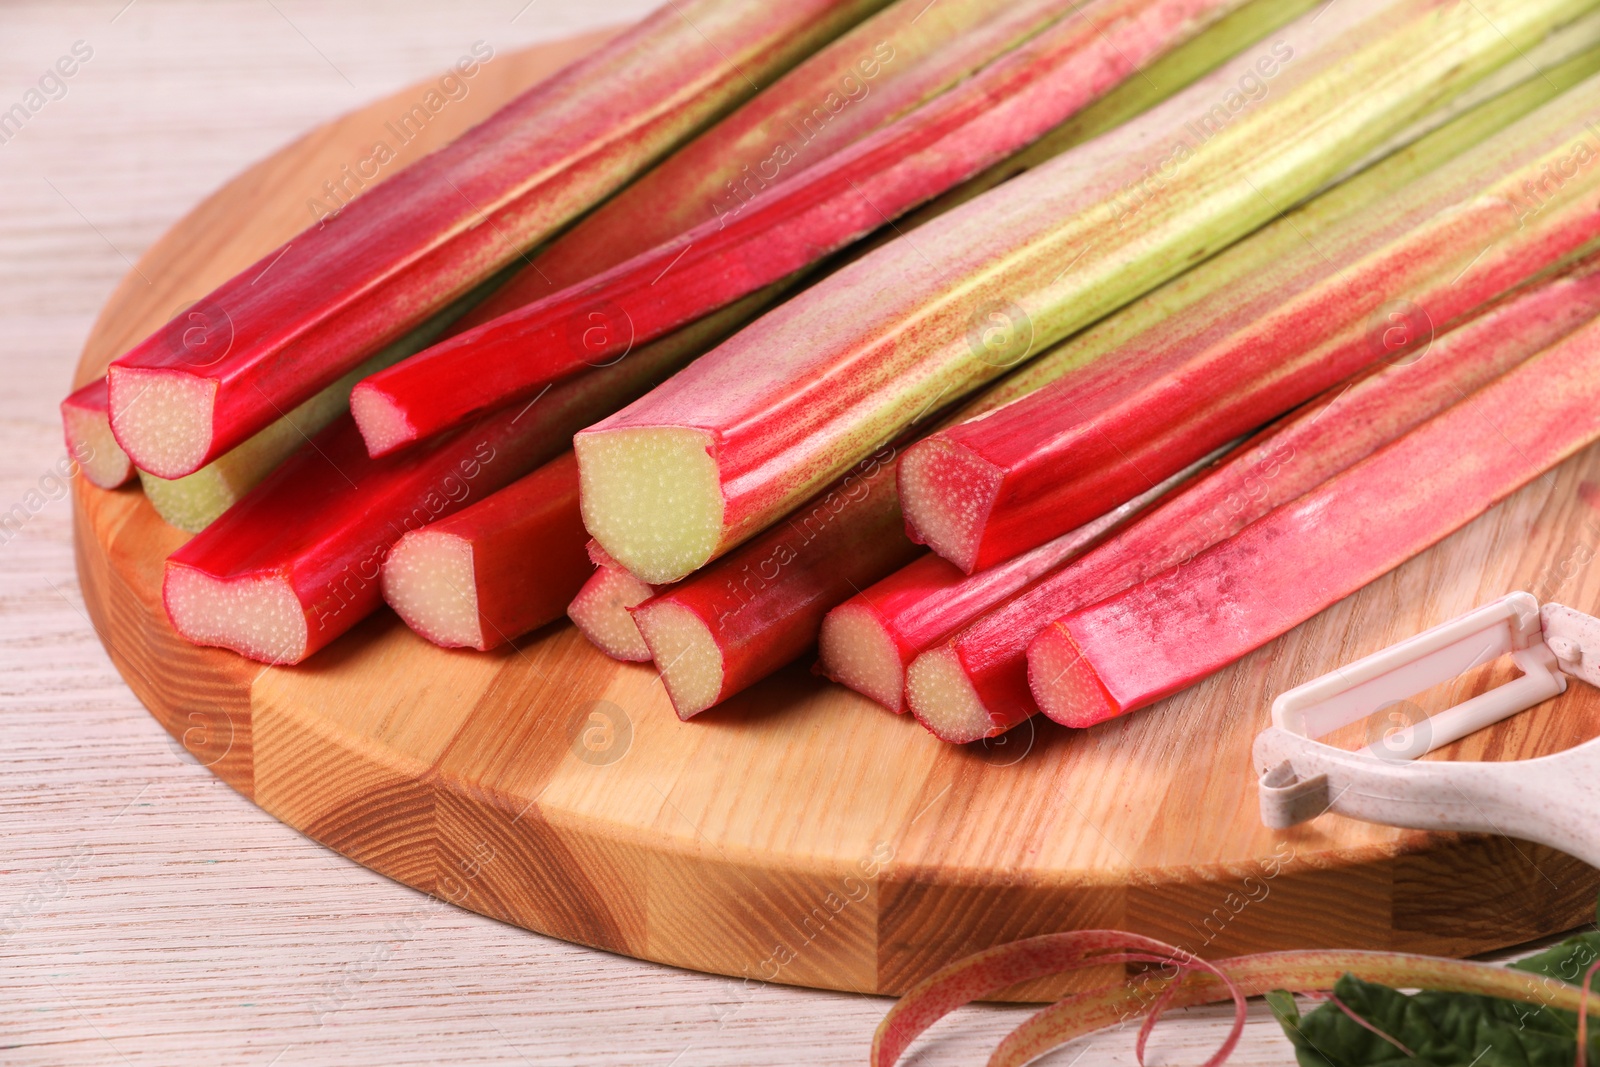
1171 73
739 438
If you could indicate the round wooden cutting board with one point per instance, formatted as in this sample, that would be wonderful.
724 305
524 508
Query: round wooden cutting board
798 833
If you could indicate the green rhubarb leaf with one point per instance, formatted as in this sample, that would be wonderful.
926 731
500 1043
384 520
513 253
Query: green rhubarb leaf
1433 1029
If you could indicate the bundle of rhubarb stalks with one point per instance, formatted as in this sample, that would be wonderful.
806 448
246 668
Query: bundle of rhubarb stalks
1020 355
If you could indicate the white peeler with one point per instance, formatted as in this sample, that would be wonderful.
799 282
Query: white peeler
1551 800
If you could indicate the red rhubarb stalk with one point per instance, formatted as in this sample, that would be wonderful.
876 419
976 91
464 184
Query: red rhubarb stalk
867 642
297 561
1151 640
988 489
86 418
287 326
491 573
830 205
976 684
892 61
601 613
755 610
735 441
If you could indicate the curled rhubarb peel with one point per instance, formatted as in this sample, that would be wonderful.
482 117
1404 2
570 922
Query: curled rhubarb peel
784 229
1085 666
869 75
733 442
502 567
977 683
288 326
1176 983
984 491
994 970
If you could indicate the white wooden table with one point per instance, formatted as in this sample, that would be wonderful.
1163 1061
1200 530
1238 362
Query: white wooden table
148 914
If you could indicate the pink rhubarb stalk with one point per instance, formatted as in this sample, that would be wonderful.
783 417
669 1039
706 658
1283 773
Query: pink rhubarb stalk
1002 484
872 74
1153 639
830 205
601 613
86 418
287 326
297 561
976 684
491 573
735 441
867 642
757 609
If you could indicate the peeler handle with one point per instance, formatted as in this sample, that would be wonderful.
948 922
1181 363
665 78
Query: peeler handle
1550 800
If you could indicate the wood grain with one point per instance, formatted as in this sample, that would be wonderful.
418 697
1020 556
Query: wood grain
797 834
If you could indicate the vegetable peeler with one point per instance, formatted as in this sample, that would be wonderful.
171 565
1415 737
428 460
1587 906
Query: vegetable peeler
1550 800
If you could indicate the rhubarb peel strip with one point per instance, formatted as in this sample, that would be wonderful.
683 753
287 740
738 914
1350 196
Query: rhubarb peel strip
1176 983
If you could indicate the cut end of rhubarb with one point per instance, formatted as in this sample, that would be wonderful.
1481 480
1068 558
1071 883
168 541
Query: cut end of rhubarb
947 493
652 498
428 579
1065 685
383 425
258 617
91 444
943 699
686 654
858 652
600 612
162 418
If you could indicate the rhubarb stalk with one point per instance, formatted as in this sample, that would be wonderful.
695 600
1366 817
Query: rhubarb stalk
1153 639
755 610
86 418
601 613
867 642
976 684
195 501
307 313
988 489
297 561
502 567
733 442
828 206
873 73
